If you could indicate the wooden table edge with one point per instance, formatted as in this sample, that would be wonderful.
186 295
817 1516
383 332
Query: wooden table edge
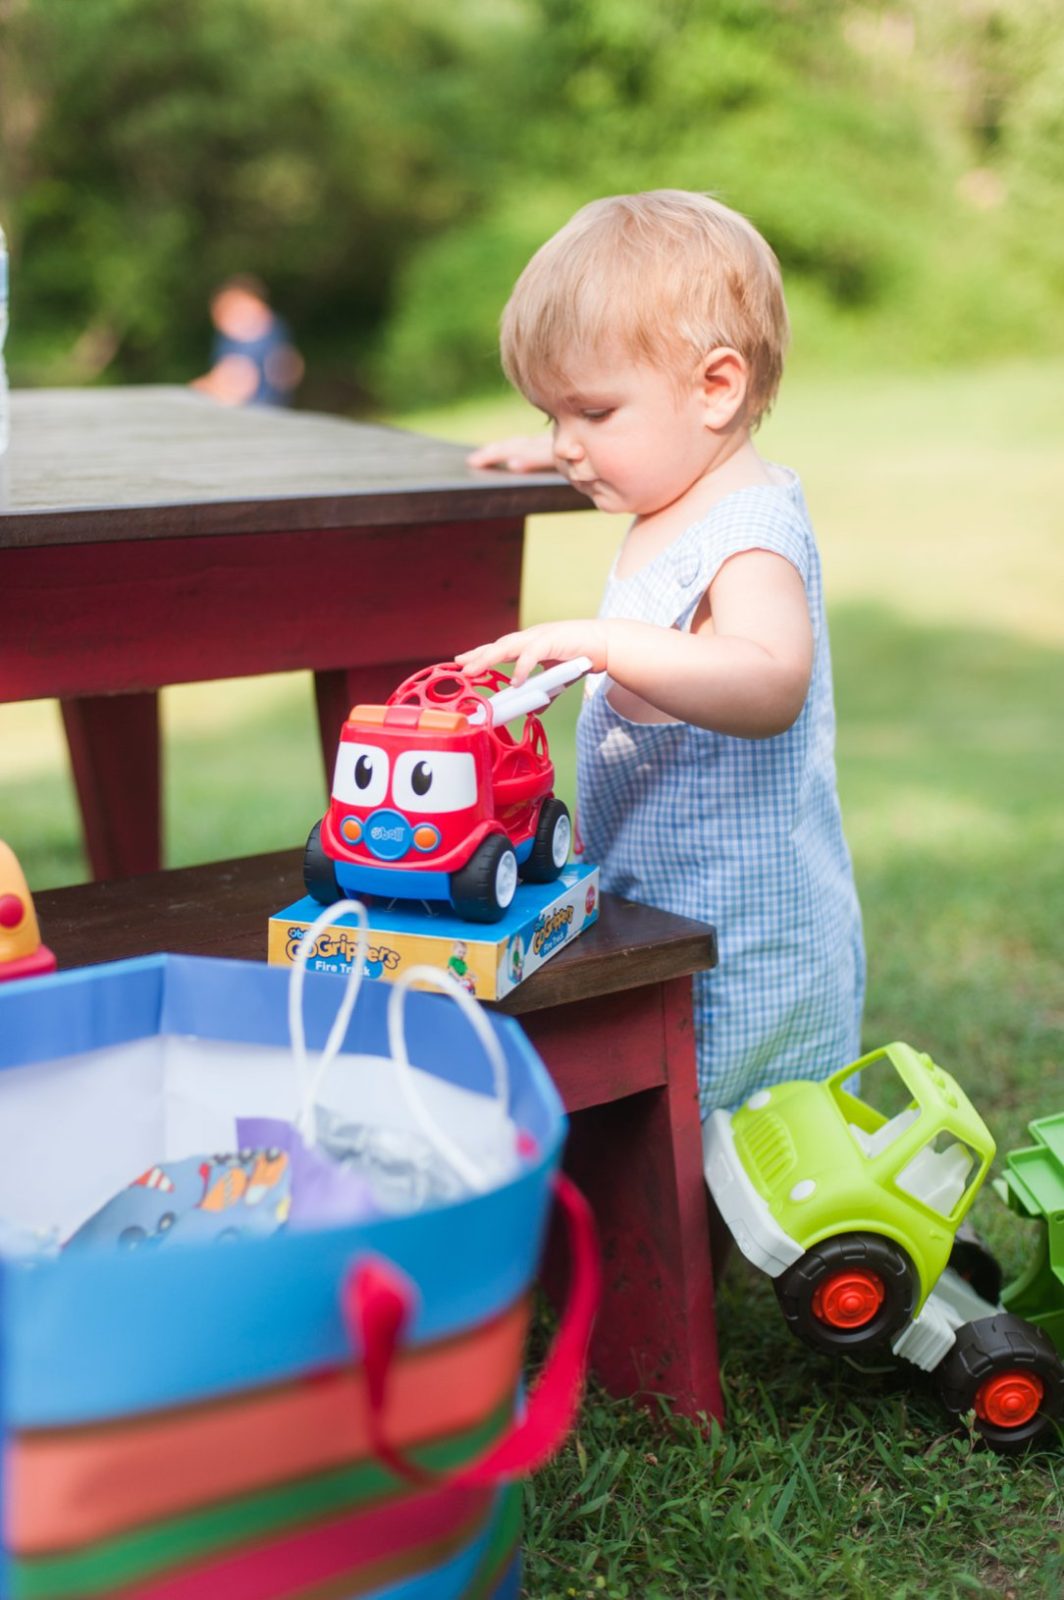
368 509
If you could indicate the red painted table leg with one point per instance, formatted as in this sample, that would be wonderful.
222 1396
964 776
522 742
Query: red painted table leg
114 752
639 1161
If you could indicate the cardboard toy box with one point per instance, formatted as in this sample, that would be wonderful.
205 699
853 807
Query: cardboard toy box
491 959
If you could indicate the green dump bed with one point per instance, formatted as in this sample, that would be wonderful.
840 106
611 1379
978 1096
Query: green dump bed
1034 1176
1033 1185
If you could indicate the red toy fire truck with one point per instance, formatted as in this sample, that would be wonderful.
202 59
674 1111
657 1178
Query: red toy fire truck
434 799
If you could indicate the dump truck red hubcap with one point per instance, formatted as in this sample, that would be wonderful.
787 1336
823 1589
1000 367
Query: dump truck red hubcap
1009 1399
849 1299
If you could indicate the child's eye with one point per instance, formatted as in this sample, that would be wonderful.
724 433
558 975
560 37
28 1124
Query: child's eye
600 415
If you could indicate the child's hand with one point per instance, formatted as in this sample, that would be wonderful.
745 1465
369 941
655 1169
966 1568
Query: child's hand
522 453
544 644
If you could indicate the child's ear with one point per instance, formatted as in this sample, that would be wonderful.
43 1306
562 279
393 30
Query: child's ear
722 384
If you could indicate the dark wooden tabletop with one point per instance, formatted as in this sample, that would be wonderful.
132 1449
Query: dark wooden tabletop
91 465
223 909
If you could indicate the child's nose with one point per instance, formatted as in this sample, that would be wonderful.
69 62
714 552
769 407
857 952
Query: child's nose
567 446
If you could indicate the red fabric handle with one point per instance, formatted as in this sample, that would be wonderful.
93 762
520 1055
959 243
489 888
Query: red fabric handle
378 1304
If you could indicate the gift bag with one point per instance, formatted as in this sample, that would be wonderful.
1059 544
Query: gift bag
332 1409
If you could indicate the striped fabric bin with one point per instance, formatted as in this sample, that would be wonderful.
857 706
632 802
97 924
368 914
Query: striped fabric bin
317 1414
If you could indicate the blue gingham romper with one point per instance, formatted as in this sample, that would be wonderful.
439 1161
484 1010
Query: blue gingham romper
743 833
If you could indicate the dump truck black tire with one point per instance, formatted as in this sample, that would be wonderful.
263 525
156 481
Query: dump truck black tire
854 1292
999 1364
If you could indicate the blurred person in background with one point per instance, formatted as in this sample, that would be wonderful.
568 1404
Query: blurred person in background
253 358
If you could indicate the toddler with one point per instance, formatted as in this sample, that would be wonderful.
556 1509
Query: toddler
651 330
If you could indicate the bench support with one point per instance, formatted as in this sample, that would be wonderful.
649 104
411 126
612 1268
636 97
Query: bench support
638 1160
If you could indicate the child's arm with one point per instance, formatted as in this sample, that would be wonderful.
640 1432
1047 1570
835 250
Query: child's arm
744 668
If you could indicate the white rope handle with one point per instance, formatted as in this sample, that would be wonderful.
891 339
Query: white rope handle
444 981
312 1081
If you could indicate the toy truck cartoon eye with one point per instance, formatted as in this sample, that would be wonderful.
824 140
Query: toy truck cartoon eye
434 799
435 780
429 780
361 774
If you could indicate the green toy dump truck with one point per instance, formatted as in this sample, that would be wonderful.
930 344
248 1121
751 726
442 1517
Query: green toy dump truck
852 1193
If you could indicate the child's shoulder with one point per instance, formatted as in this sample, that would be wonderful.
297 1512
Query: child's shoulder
759 516
778 497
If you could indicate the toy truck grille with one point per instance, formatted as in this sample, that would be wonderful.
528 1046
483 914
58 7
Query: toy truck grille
766 1149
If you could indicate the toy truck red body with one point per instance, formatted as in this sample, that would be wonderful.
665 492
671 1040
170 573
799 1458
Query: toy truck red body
432 801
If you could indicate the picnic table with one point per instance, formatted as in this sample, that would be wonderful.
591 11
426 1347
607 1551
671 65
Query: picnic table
150 537
611 1017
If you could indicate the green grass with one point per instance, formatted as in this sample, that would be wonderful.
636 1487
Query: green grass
822 1484
940 505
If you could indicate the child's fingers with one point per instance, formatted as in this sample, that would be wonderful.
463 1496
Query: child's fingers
473 662
525 649
528 648
531 456
520 453
490 655
535 649
487 456
483 655
516 454
523 666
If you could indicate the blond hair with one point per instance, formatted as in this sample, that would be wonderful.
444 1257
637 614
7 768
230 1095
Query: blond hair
665 276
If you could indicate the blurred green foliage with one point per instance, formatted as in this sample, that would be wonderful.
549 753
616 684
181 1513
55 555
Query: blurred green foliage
388 165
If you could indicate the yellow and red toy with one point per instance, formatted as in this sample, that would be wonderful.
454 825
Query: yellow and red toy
22 955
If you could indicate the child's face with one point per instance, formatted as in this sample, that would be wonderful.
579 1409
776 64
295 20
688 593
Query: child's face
240 314
630 436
